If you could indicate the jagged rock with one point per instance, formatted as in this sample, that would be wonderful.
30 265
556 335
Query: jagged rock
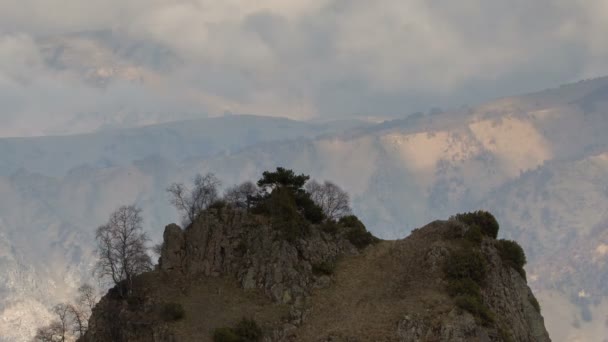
231 242
173 248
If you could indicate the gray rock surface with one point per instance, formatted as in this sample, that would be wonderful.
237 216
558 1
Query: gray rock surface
238 244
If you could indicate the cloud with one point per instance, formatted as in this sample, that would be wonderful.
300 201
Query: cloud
299 58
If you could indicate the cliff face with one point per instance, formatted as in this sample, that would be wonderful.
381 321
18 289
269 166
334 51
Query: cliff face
230 265
234 243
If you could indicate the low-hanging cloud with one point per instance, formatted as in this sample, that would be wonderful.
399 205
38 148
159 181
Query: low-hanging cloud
139 61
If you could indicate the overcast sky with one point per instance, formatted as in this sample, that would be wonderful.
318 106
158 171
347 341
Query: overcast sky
72 66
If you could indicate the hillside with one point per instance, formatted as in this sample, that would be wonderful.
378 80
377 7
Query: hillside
229 265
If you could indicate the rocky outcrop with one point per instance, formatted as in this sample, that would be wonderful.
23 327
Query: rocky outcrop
232 242
390 291
510 299
505 293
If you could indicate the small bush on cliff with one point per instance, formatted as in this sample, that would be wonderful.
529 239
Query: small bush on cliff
330 227
512 255
482 219
474 235
463 287
466 263
247 330
324 268
466 271
225 335
171 312
311 211
356 233
474 305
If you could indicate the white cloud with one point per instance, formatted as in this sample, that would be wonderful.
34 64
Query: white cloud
308 58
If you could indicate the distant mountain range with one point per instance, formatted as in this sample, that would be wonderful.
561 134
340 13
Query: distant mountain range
539 162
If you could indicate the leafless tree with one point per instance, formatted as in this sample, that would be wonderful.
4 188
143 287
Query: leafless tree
241 195
78 319
49 333
122 248
331 198
191 202
87 297
64 319
81 310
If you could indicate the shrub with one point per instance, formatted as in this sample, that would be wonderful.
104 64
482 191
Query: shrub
172 312
483 219
463 287
351 221
360 238
330 227
324 268
504 334
474 235
135 301
357 234
466 263
474 306
311 211
249 330
226 335
512 255
285 216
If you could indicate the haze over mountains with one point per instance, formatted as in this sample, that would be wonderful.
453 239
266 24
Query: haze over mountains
538 162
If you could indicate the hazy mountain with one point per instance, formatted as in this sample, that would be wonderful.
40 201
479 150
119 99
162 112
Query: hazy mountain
537 161
177 141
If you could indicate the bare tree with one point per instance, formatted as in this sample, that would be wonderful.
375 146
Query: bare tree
122 248
49 333
241 195
81 310
78 319
71 319
87 297
331 198
64 319
191 202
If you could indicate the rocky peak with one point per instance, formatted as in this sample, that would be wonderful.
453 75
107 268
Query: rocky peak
229 265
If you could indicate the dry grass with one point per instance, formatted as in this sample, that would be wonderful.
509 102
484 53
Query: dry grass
210 303
374 290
